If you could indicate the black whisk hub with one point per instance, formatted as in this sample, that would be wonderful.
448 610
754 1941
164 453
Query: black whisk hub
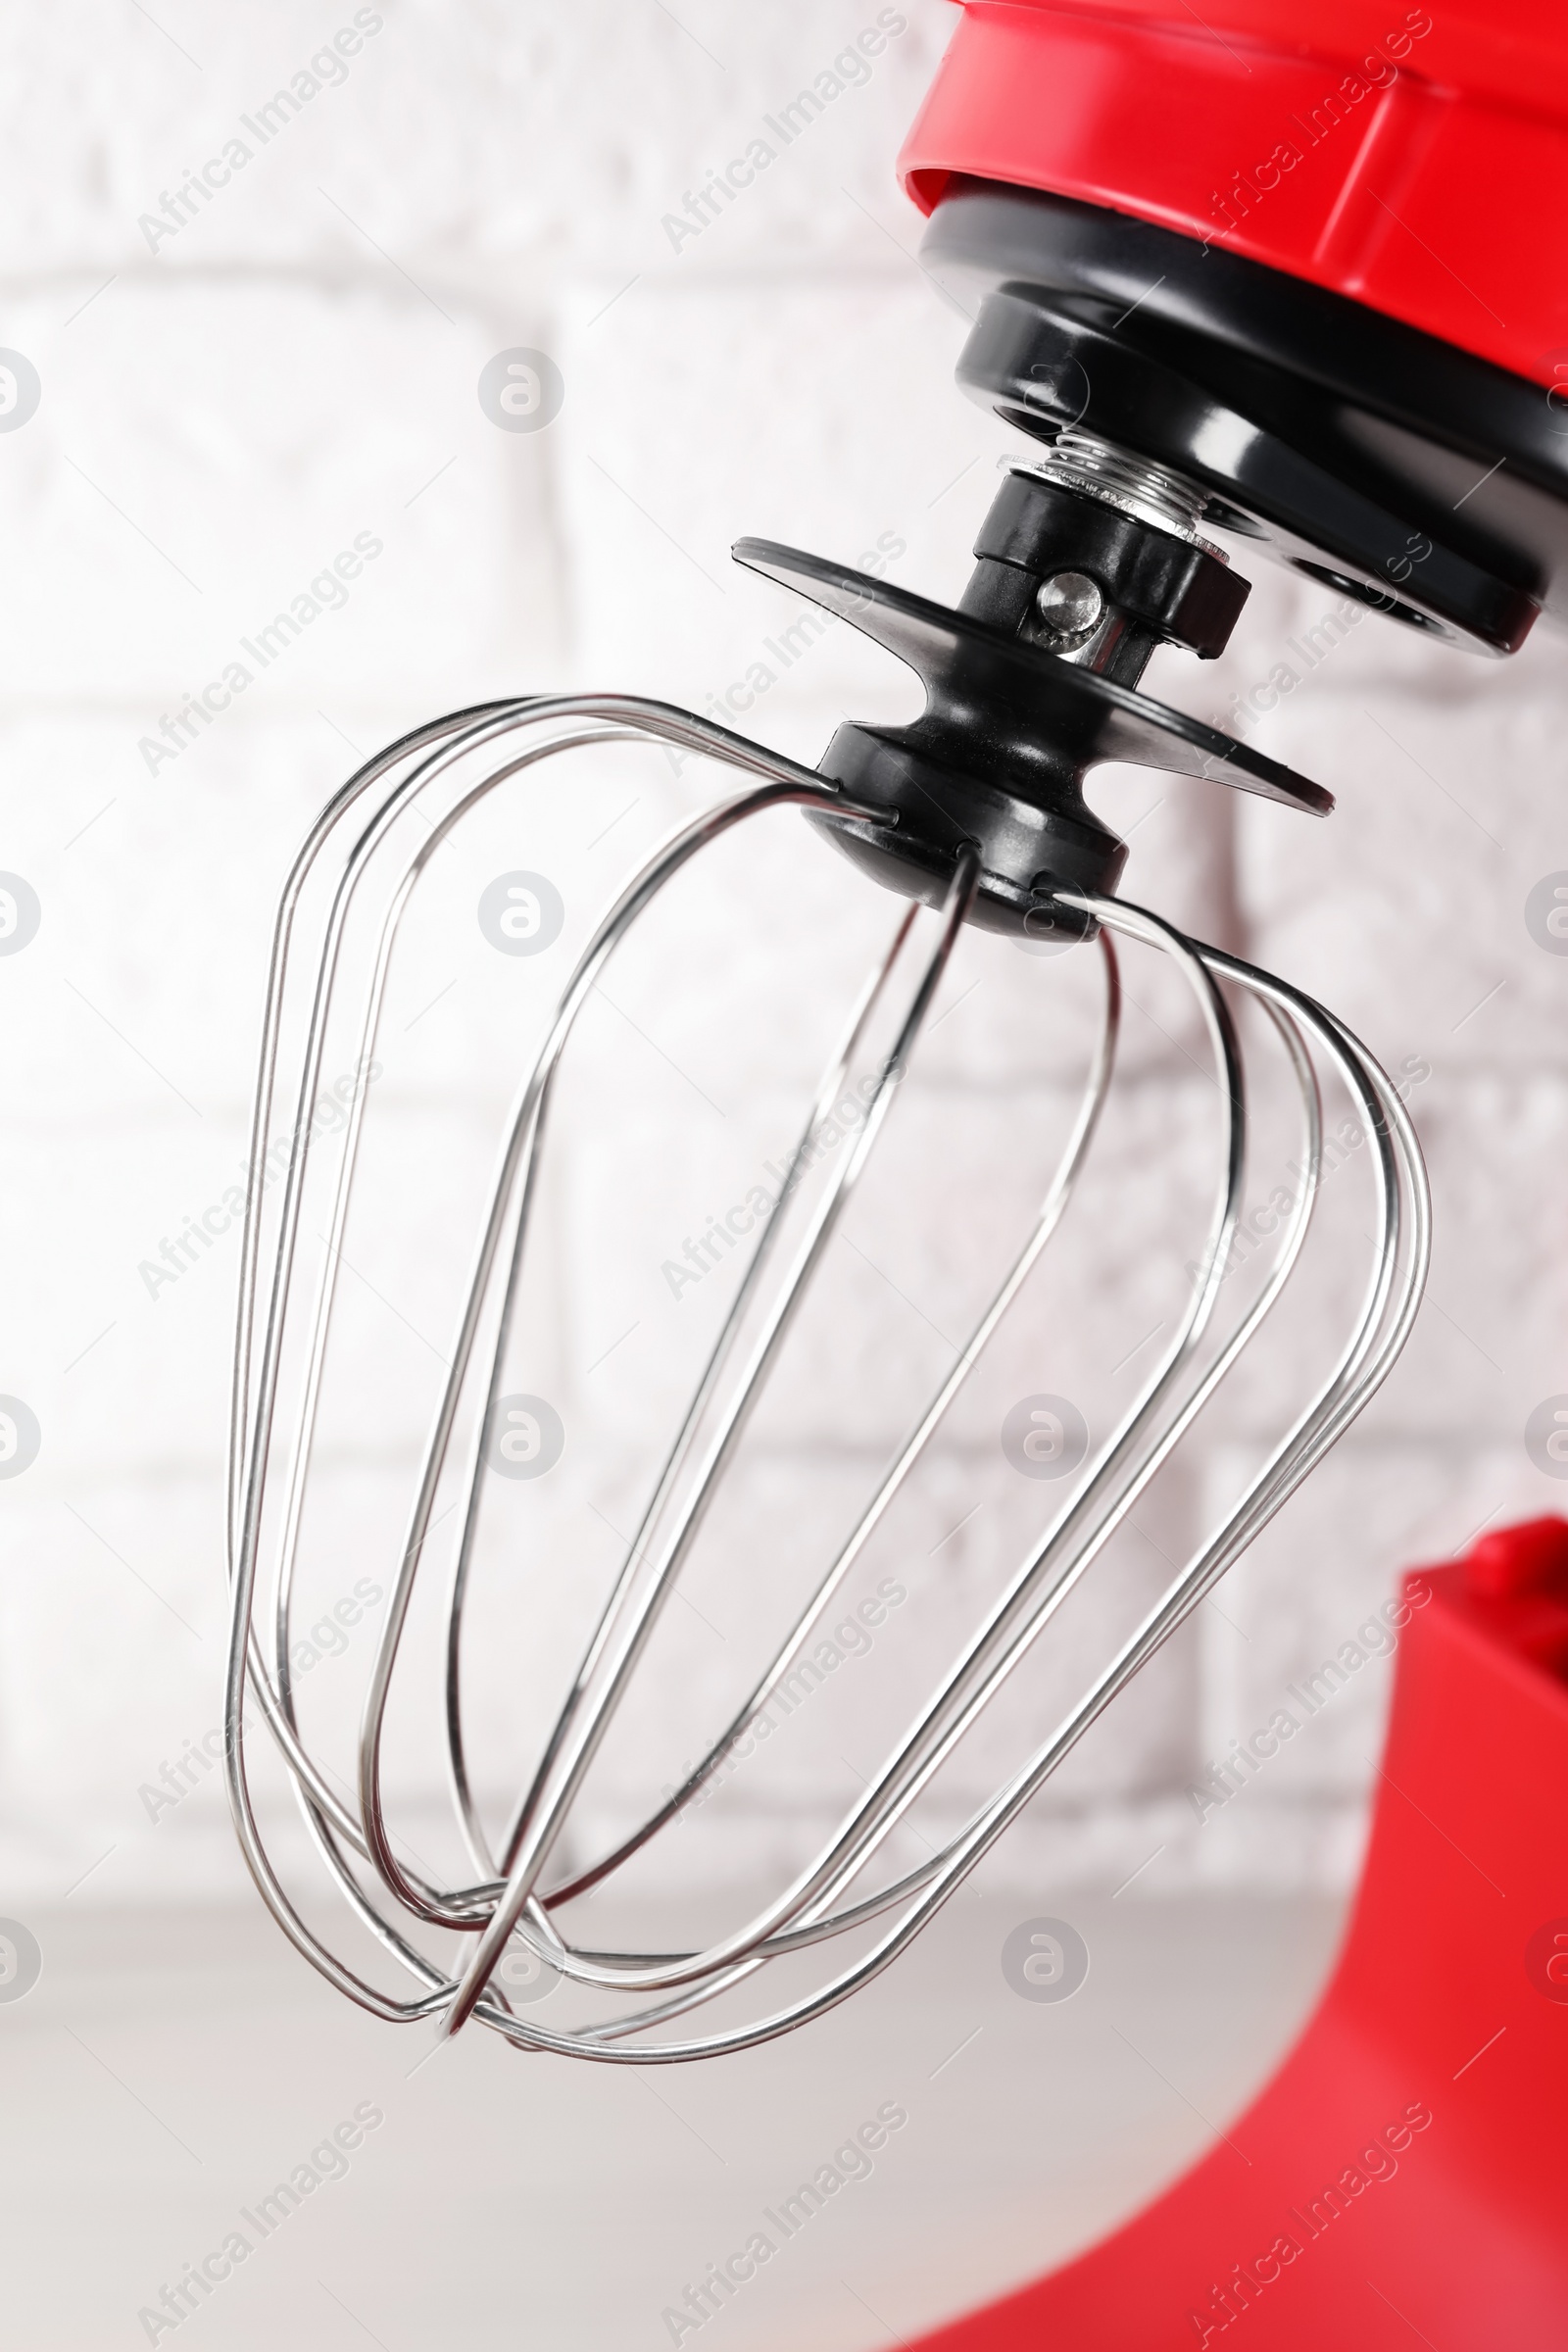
1012 725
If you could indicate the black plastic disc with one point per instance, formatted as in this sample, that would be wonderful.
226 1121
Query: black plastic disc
1010 685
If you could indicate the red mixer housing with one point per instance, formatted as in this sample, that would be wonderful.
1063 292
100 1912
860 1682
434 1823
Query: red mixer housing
1410 159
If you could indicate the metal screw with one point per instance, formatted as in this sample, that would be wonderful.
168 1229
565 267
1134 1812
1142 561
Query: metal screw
1069 603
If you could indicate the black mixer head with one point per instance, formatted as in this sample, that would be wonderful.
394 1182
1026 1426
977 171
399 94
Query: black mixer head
1169 385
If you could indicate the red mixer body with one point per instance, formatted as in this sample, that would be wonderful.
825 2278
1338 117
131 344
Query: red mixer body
1412 159
1403 2177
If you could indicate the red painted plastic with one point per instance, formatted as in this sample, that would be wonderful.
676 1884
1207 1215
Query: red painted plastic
1404 2179
1414 158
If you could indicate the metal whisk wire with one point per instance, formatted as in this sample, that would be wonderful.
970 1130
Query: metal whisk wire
508 1899
252 1401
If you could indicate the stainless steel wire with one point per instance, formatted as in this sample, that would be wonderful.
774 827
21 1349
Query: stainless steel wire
521 1883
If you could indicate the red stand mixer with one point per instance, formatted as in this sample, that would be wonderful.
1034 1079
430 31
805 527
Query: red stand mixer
1303 282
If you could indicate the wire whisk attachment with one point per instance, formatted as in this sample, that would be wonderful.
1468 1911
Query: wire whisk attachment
471 1943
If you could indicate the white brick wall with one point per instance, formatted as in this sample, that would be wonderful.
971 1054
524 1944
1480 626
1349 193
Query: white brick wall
296 365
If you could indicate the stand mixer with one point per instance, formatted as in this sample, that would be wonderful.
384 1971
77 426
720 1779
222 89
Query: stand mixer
1162 388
